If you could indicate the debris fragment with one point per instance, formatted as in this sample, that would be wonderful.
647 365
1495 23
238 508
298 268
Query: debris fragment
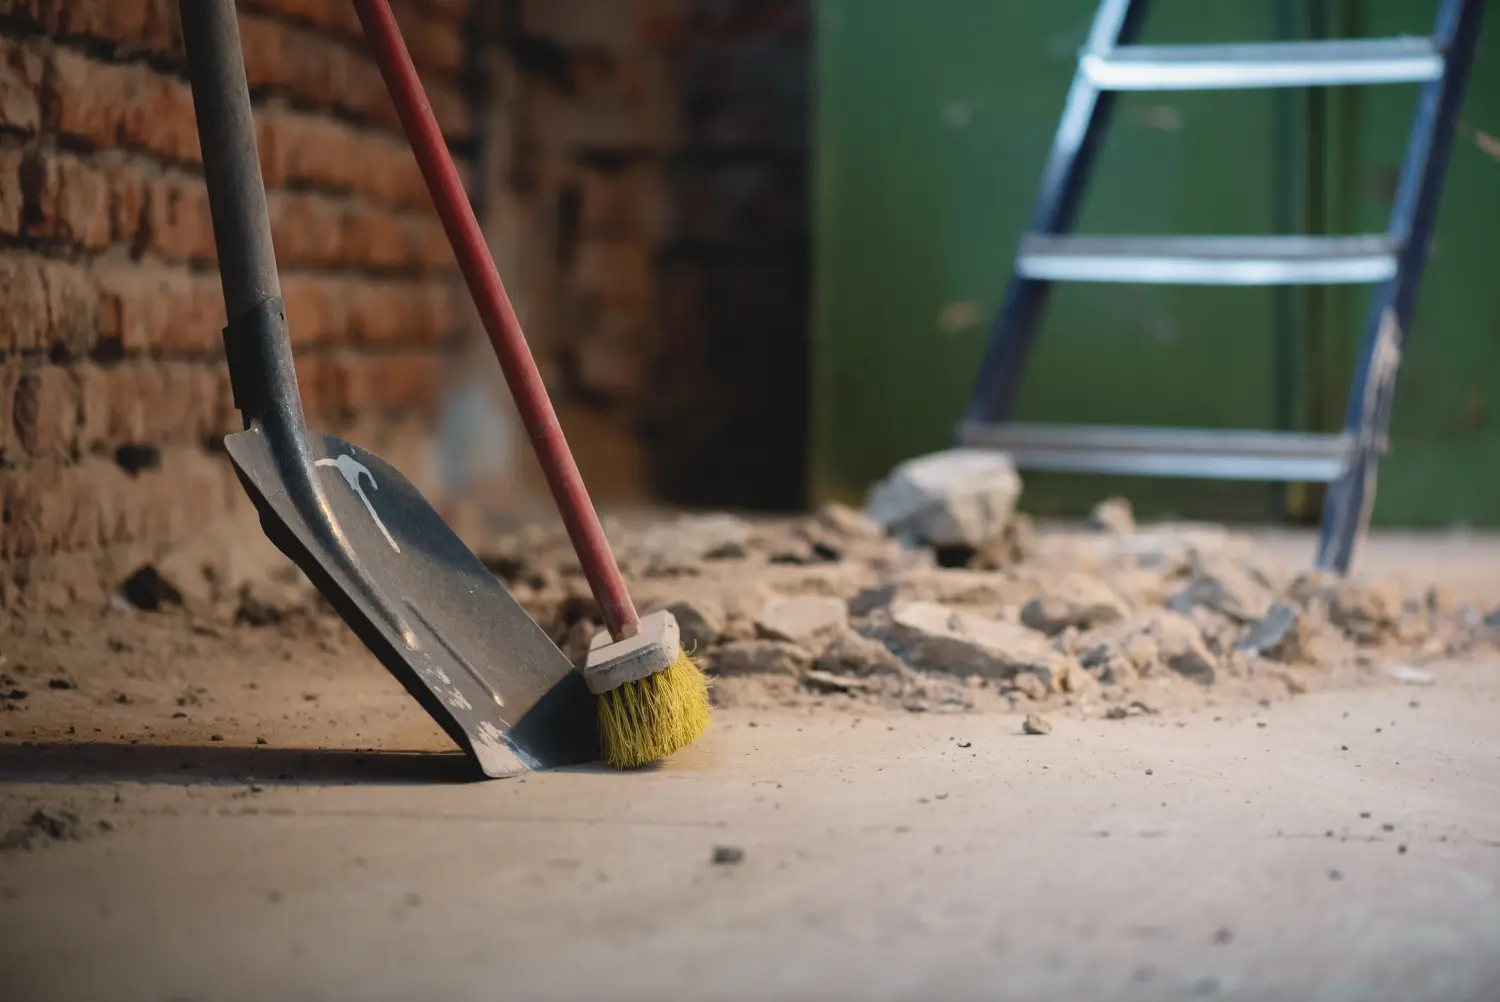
1113 515
1035 724
728 855
1407 675
962 497
807 620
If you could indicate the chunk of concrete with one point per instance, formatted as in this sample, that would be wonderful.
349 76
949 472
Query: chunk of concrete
809 620
1236 590
962 497
759 657
852 653
937 638
1113 515
700 620
691 538
1277 634
1083 603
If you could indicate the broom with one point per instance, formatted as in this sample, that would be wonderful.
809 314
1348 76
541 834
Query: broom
652 698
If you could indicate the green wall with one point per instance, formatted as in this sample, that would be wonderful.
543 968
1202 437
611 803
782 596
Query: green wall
932 124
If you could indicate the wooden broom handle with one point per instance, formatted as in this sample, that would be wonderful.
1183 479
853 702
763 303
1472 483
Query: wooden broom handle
478 268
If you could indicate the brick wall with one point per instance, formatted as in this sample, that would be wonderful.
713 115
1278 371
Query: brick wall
113 390
646 171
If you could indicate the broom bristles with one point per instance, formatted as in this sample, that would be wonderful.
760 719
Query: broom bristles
646 720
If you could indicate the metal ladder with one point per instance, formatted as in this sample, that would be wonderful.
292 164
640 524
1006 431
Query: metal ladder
1392 262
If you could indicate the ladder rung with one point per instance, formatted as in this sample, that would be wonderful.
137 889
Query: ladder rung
1176 260
1166 452
1277 64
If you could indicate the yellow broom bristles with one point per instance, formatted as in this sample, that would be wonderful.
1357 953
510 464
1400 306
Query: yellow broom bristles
646 720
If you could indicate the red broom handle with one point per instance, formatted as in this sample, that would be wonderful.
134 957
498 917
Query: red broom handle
499 318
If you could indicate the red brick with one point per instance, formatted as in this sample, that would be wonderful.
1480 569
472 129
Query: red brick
304 150
618 273
93 503
47 303
109 105
46 411
68 200
21 69
149 26
338 74
177 222
127 207
628 202
310 230
348 384
10 375
148 401
434 43
160 308
12 192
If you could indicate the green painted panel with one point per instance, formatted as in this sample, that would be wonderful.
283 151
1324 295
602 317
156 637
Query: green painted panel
1444 465
933 121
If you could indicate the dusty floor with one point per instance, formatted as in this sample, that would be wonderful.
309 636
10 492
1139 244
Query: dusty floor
194 809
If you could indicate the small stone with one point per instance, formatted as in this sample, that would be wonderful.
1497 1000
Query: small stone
728 855
1030 685
1034 724
958 498
1236 590
684 541
1113 515
149 589
759 657
808 620
852 653
937 638
1366 612
1081 603
846 521
61 683
1276 635
701 622
1407 675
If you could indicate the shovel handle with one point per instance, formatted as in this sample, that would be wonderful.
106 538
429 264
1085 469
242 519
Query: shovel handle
499 318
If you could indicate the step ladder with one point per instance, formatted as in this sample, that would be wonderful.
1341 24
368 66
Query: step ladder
1392 262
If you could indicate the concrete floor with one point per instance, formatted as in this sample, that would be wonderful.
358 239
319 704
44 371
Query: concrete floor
1341 846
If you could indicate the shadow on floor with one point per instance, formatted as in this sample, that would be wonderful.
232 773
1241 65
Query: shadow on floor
195 764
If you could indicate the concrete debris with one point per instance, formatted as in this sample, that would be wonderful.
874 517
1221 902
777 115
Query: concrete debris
701 622
847 522
1078 602
1030 685
1407 675
1238 591
689 539
809 620
1036 724
1113 515
851 653
1368 612
1276 635
938 638
958 498
759 657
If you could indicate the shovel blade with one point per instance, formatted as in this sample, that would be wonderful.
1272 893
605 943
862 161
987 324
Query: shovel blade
424 604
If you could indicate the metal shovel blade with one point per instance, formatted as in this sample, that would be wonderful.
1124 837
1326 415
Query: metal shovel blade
423 603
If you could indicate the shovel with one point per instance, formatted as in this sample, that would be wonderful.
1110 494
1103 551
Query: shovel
417 597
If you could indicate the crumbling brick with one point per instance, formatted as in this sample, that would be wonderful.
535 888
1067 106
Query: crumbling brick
67 200
21 71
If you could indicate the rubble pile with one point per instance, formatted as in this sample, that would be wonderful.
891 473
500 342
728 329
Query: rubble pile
939 597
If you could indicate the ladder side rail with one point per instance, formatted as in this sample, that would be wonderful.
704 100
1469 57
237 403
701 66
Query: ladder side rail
1347 507
1074 147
